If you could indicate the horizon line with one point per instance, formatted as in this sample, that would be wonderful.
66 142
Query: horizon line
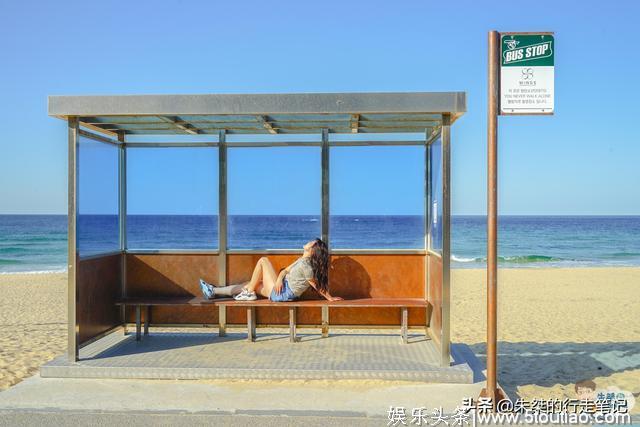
349 214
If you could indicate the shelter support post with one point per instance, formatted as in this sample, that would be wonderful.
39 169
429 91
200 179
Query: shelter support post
325 185
73 331
427 223
445 342
222 208
122 222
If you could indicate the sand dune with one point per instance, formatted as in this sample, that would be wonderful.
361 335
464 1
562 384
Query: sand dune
556 326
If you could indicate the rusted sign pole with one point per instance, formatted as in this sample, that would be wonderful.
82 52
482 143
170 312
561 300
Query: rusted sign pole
491 389
517 63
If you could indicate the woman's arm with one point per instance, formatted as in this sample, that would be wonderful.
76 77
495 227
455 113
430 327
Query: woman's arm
325 294
280 281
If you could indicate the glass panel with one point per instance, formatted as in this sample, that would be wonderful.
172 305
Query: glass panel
172 198
435 225
377 197
97 227
273 197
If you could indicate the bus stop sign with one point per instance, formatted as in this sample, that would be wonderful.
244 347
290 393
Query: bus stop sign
526 73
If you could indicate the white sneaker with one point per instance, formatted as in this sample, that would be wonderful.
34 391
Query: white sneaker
245 295
208 290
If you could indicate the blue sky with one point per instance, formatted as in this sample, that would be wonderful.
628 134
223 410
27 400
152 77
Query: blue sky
583 160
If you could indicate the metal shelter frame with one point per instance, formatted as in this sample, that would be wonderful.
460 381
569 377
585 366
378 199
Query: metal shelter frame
113 119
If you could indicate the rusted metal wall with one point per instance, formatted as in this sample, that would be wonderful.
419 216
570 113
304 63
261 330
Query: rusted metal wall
377 276
352 276
166 275
435 294
98 282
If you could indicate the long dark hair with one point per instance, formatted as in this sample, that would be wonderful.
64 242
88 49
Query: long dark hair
320 264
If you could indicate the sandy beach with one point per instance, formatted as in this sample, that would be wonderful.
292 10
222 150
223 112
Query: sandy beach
556 326
32 323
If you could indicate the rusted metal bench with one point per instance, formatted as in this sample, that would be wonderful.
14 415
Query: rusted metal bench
148 302
403 303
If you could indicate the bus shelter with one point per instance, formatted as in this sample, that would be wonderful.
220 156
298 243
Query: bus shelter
232 122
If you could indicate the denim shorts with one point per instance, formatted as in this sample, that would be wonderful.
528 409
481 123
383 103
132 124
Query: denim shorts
285 295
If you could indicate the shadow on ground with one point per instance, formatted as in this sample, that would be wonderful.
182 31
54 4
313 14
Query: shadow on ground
548 364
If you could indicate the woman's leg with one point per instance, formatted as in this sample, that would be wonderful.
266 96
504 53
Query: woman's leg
229 291
263 278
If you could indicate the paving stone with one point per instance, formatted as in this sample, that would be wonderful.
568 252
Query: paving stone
205 355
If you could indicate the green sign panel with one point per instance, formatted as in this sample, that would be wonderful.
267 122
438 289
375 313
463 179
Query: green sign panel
527 73
527 50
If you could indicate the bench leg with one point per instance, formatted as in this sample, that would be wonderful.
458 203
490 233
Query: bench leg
222 321
147 320
426 325
405 324
292 324
138 326
251 324
123 315
325 321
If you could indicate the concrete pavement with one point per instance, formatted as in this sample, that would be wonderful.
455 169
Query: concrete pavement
40 401
99 419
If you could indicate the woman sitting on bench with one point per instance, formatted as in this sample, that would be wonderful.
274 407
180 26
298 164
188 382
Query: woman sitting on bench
311 269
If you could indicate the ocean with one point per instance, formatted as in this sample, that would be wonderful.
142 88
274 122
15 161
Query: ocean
38 243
